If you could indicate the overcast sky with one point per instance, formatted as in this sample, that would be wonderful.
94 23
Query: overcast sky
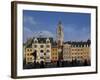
76 26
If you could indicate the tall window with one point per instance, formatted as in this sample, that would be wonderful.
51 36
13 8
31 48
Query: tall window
48 50
35 46
41 51
28 50
48 46
41 46
48 41
47 57
36 41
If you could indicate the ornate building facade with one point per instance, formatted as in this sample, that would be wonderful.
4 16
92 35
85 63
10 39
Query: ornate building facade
54 52
40 49
48 50
79 51
67 52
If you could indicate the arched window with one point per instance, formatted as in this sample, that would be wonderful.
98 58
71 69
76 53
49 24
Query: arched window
48 50
35 50
35 41
35 46
41 51
48 57
44 53
48 46
48 41
41 46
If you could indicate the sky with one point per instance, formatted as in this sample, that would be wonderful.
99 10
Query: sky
76 26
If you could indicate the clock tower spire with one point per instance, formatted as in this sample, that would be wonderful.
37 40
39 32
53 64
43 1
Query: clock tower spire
60 34
60 40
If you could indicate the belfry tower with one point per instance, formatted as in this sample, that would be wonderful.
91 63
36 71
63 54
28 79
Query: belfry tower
60 40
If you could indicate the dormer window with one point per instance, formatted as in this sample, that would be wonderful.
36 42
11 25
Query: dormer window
47 41
35 40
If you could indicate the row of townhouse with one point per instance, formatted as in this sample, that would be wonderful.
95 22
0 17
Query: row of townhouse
46 51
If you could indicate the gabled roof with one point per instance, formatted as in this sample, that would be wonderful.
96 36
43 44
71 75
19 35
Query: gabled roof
43 40
79 43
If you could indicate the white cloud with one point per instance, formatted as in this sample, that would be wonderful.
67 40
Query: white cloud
29 20
76 33
27 33
42 34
